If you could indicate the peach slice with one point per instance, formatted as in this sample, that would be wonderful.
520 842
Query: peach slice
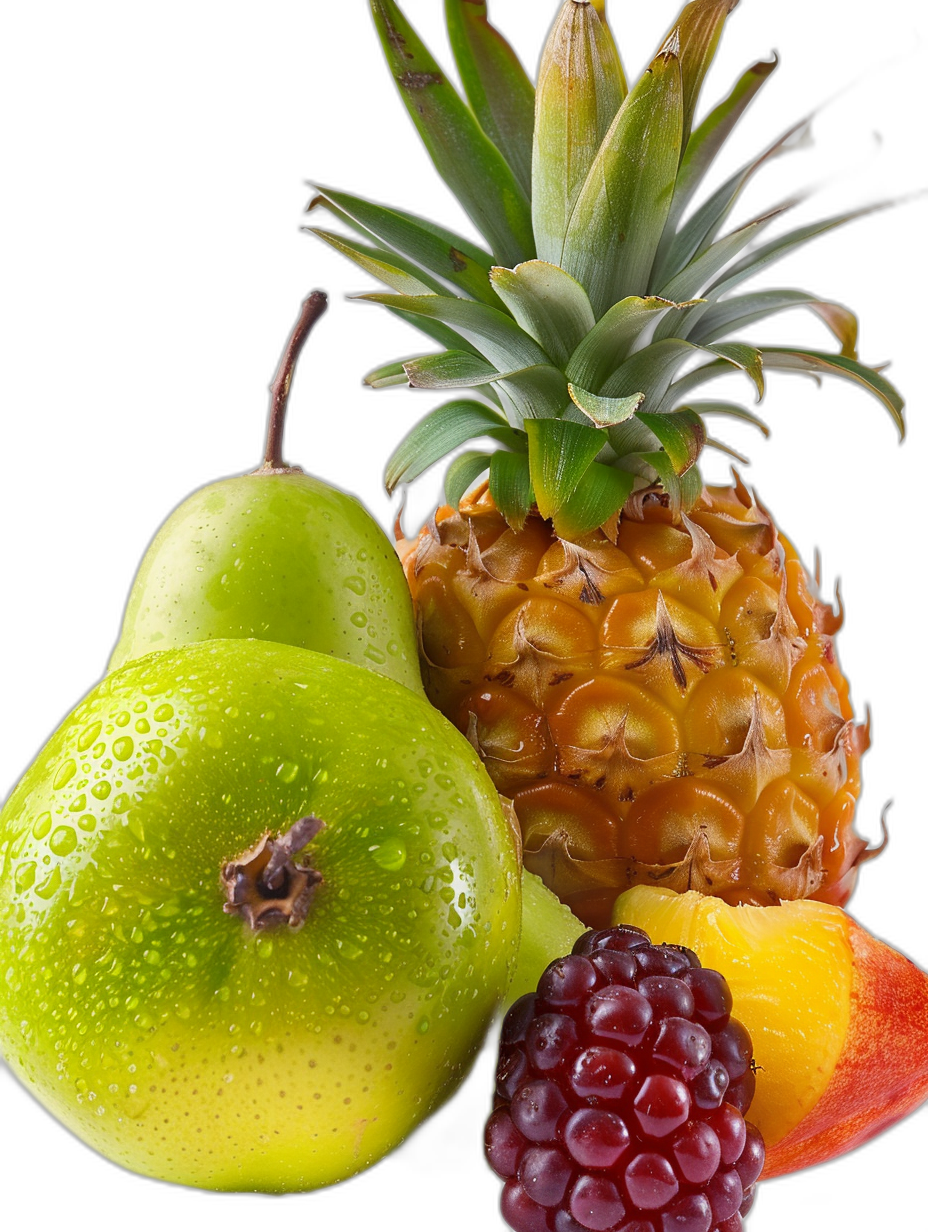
839 1020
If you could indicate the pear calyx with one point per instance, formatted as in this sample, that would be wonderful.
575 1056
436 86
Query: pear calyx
311 310
265 887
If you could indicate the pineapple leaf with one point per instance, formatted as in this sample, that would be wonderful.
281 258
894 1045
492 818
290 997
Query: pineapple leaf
631 440
699 232
604 412
498 88
708 139
449 369
444 254
511 487
742 310
539 392
600 7
536 393
601 492
439 433
651 369
692 380
392 270
580 89
694 38
789 359
742 356
436 331
465 158
608 344
712 443
783 245
682 435
733 410
559 452
617 223
548 304
387 375
684 490
463 473
495 335
691 280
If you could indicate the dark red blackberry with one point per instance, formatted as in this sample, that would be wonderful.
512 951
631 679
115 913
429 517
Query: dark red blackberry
621 1091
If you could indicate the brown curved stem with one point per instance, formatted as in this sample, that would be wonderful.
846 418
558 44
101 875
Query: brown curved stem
312 309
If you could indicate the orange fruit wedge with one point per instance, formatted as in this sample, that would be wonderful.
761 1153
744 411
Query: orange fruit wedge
839 1020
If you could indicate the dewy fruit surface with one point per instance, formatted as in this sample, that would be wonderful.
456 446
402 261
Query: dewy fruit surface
838 1018
622 1086
168 1033
660 698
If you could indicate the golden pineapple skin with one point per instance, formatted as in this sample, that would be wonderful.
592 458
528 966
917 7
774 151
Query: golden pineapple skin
661 700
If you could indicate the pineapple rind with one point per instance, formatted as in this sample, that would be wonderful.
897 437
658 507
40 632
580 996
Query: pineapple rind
659 698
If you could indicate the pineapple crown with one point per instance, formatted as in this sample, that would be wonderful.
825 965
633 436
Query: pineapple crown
608 291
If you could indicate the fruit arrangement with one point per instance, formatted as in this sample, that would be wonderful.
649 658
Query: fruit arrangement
343 1200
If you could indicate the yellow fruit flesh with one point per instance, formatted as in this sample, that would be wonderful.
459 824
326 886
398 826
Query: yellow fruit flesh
790 970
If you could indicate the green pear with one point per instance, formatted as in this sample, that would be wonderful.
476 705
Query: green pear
258 908
276 555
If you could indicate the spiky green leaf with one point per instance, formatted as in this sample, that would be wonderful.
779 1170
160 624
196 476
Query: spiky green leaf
702 149
390 268
735 314
495 335
441 432
788 359
617 222
733 410
606 347
535 393
448 370
682 435
435 330
758 260
465 158
679 391
694 37
511 487
745 357
548 304
684 490
698 232
463 473
388 375
651 369
580 89
559 453
604 412
498 88
601 492
443 253
699 273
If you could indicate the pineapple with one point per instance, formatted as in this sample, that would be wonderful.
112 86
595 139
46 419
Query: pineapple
640 659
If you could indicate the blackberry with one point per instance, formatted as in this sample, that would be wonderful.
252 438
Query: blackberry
621 1091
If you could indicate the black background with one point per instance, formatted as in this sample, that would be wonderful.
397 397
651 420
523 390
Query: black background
158 192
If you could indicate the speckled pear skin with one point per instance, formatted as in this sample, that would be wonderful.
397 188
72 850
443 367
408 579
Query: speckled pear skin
282 557
165 1032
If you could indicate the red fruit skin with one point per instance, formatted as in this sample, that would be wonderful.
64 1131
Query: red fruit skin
882 1074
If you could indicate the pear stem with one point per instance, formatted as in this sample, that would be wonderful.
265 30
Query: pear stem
265 887
311 310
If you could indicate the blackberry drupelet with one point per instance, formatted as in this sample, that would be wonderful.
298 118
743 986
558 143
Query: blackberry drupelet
621 1092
